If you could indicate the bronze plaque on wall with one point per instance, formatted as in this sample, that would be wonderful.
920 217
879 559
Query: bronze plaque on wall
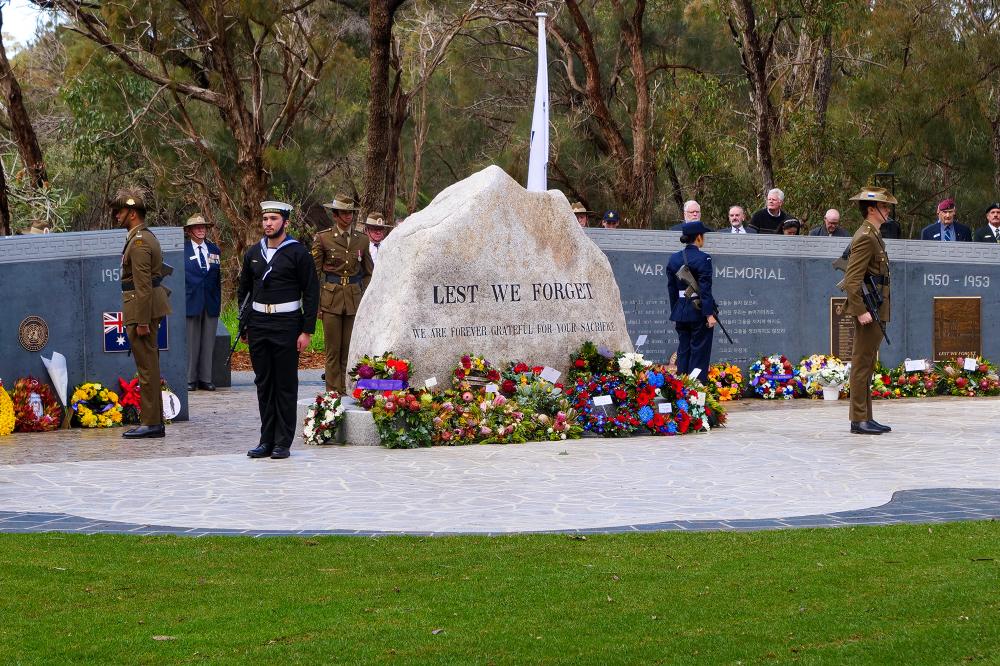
957 326
841 329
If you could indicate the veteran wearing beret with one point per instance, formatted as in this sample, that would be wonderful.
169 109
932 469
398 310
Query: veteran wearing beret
344 266
145 301
203 300
867 268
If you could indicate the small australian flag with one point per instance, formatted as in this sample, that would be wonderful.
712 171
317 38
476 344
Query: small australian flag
115 338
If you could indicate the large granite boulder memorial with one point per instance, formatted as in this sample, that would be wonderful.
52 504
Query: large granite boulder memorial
489 269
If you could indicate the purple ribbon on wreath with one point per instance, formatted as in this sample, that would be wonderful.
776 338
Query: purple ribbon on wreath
381 384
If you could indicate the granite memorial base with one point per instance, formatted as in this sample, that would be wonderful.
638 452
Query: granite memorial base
62 293
358 428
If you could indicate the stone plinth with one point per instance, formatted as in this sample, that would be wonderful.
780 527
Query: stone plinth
489 269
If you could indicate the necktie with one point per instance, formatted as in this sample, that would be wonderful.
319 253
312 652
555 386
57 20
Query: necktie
376 246
201 258
996 232
948 233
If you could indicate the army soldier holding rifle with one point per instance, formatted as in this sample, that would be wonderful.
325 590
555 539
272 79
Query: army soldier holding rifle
866 282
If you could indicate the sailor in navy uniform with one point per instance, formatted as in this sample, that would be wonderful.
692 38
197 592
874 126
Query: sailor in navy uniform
694 326
280 275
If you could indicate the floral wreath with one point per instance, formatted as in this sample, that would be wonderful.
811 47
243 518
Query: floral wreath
656 382
588 360
386 366
915 384
323 417
629 362
95 406
45 414
775 377
473 369
7 419
130 398
956 380
882 388
725 381
595 419
819 371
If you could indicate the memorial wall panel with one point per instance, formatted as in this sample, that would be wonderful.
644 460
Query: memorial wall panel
69 280
775 292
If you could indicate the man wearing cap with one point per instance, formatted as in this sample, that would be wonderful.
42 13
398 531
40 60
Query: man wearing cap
831 226
990 233
693 314
376 228
610 220
203 300
945 228
344 265
144 303
582 214
280 276
867 265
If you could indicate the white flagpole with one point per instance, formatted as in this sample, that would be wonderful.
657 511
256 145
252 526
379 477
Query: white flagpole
538 160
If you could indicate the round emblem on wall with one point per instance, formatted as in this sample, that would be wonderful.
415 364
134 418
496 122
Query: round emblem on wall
33 333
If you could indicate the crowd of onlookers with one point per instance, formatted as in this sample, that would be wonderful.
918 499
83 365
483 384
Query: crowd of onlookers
774 219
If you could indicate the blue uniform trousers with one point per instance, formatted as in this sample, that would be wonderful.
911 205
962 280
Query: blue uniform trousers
695 348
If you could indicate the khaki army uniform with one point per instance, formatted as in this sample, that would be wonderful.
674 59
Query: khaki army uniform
344 266
145 301
868 257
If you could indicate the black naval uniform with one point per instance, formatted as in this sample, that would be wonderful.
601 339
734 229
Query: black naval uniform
289 277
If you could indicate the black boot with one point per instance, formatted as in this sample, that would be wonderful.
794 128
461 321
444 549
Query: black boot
145 431
864 428
875 424
262 451
280 453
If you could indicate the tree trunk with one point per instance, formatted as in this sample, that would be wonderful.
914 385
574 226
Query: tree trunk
754 58
380 18
419 139
399 115
824 77
24 133
995 145
6 228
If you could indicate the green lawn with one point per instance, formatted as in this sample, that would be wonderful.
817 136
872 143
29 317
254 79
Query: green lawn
230 318
901 595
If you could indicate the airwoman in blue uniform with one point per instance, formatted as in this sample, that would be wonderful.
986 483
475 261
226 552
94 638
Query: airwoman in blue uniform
694 325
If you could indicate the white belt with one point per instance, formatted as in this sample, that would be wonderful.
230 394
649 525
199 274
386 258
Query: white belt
277 308
681 294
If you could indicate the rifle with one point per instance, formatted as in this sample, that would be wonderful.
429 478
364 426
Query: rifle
870 294
242 328
692 292
873 300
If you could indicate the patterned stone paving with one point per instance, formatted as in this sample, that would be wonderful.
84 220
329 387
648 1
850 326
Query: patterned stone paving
775 466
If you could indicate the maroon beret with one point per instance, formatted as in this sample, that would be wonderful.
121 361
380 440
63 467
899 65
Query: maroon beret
947 204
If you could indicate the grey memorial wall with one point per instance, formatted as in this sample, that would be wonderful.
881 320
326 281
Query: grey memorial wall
778 294
62 293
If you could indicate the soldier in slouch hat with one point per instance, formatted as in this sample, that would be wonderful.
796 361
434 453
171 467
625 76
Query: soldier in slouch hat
144 303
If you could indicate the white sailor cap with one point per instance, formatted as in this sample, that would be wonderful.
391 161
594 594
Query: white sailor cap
275 207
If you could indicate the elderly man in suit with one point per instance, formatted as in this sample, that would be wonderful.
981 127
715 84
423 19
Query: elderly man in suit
203 300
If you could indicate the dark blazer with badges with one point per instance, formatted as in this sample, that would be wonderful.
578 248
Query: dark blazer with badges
202 289
933 232
984 234
291 276
868 256
143 298
700 264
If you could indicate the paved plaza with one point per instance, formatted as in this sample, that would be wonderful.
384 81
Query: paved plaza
774 466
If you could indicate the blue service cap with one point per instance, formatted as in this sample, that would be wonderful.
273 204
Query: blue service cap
610 216
692 229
